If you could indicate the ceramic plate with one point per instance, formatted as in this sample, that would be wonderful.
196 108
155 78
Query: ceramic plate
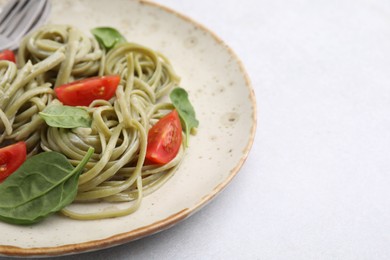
220 91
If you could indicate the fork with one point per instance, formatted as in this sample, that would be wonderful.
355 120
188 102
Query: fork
18 18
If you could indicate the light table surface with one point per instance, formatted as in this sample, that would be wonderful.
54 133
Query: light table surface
316 184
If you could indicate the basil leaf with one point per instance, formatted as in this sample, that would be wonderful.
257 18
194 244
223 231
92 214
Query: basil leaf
66 116
180 101
108 37
44 184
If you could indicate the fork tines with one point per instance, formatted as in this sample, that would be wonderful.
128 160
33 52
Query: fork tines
18 17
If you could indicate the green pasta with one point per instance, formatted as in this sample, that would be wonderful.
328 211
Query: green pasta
57 54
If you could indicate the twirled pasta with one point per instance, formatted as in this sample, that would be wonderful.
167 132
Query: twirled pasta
23 94
83 55
116 171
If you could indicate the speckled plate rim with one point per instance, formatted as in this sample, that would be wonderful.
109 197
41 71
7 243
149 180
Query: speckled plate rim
174 218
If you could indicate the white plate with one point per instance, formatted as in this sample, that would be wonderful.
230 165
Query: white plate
220 91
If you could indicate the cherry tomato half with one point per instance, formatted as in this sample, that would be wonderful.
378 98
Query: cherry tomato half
83 92
11 158
7 55
164 139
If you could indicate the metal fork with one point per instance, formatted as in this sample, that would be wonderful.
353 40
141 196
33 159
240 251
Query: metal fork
18 18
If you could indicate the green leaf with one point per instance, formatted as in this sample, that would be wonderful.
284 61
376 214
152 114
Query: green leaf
66 116
44 184
180 101
108 37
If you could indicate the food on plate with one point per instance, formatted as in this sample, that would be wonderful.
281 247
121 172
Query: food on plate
87 119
